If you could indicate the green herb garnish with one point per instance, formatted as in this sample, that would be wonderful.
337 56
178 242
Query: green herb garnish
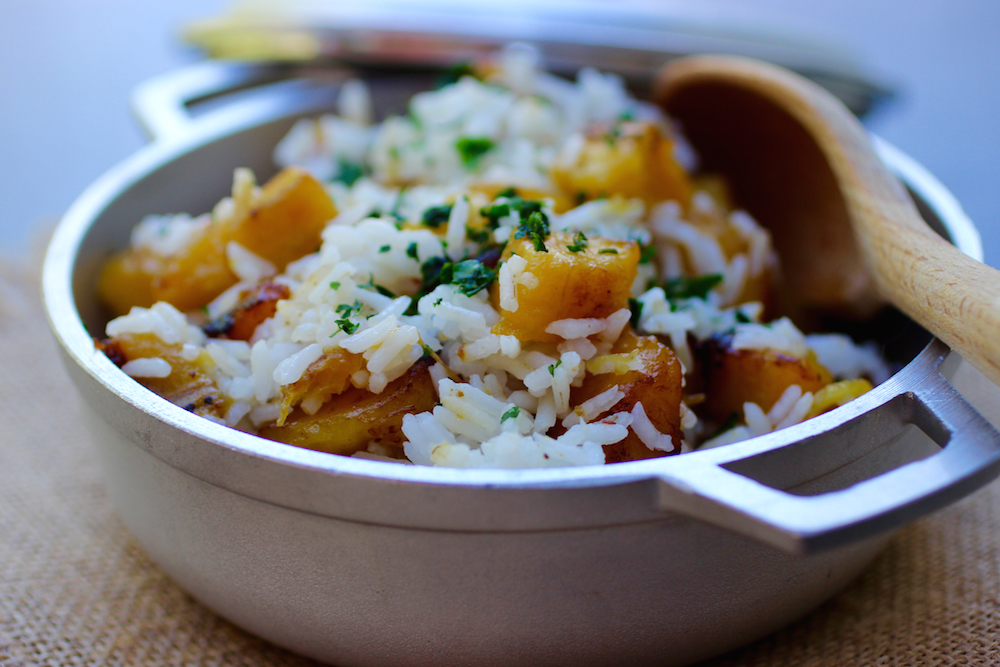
742 317
494 213
346 326
430 272
697 287
510 414
345 311
472 149
607 251
385 248
348 309
525 207
477 235
646 253
334 285
377 288
436 216
470 276
635 306
553 367
535 229
348 172
411 250
579 243
454 74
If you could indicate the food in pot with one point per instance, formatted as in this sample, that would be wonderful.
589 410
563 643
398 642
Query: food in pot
524 271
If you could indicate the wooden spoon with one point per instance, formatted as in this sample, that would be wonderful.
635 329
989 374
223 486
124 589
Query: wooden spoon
847 232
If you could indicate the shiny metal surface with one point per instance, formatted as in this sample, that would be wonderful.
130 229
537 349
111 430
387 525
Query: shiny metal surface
630 40
363 562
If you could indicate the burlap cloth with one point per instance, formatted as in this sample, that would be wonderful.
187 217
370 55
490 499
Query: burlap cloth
76 589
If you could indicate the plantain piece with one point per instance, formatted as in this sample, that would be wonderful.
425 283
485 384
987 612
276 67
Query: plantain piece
646 371
327 376
734 377
349 421
636 160
126 280
575 279
189 385
282 225
255 307
836 394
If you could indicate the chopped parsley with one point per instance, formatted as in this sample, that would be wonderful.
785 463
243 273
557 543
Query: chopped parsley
472 149
411 250
525 207
345 311
494 213
742 318
635 306
348 172
607 251
646 253
430 272
579 243
535 228
697 287
454 74
346 326
437 302
510 414
477 235
436 216
553 367
470 276
348 309
377 288
385 248
509 193
334 285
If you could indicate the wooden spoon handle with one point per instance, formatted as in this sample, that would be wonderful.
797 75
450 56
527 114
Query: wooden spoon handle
953 296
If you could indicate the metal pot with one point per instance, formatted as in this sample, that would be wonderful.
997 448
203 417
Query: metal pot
360 562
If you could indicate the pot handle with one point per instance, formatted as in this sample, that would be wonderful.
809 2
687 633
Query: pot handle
802 524
163 104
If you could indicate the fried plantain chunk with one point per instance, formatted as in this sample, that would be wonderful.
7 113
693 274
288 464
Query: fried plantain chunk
351 420
570 279
647 372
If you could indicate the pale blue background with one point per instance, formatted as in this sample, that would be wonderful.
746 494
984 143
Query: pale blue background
67 68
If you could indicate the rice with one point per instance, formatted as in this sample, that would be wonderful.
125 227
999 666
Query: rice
404 284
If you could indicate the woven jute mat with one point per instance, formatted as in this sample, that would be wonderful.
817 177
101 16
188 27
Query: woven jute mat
76 589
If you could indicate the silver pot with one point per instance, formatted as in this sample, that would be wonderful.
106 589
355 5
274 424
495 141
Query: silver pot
360 562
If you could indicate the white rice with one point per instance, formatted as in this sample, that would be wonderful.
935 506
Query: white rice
148 367
498 396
